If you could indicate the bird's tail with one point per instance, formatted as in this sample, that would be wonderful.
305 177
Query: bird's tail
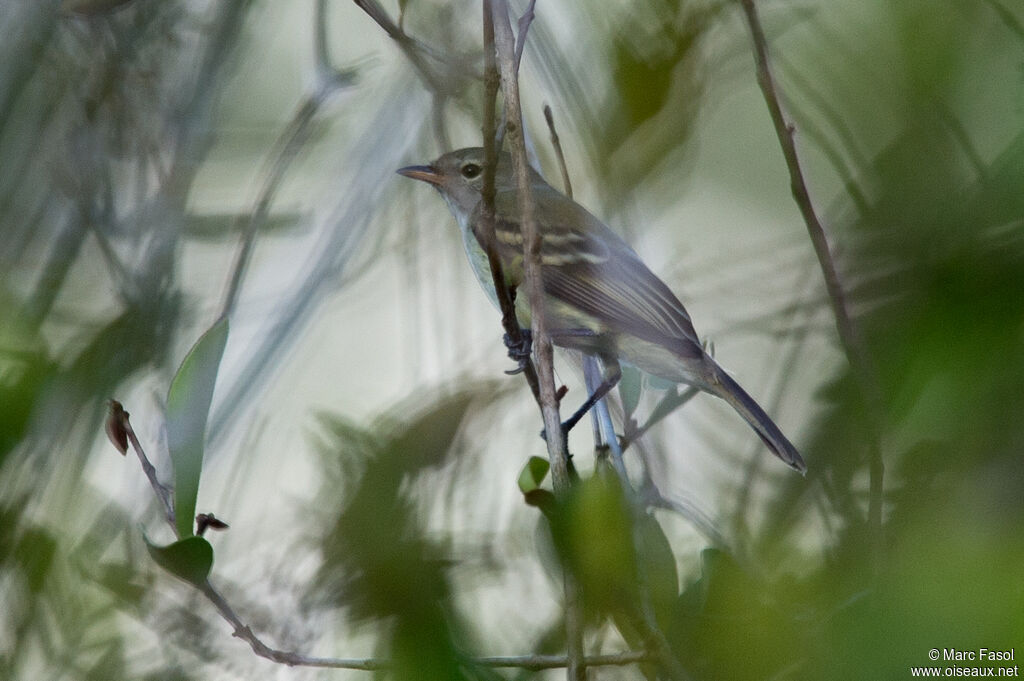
729 390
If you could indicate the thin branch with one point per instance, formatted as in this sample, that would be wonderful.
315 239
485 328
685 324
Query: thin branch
504 47
849 336
801 195
492 146
416 52
163 493
524 29
538 662
289 658
846 136
557 442
293 659
557 144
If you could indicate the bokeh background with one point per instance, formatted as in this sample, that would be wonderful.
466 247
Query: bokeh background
364 444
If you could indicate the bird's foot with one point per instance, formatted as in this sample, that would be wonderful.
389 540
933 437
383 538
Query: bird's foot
519 350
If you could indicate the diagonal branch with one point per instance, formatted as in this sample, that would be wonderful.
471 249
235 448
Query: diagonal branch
849 335
558 452
524 29
504 46
422 57
492 146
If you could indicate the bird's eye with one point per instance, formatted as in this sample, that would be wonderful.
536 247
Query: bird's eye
470 171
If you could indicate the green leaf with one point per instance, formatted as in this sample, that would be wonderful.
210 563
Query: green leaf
629 388
188 405
658 566
190 558
533 474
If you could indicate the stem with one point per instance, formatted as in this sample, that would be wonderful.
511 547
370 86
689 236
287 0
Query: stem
163 493
557 442
557 144
849 336
506 299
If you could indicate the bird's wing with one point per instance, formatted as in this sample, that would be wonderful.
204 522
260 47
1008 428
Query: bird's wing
588 266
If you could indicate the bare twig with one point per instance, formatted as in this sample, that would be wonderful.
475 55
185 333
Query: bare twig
557 442
848 334
492 146
504 46
293 659
557 144
417 52
524 29
537 662
119 417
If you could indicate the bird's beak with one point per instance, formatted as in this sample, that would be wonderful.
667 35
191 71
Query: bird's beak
425 173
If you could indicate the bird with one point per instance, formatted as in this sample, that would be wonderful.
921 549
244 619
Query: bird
599 296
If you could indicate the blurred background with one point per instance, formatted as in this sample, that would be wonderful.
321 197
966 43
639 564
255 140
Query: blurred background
364 444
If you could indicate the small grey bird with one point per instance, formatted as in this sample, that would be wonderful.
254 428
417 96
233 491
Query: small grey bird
599 297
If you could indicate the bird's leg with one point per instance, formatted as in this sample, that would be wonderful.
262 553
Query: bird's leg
612 374
588 342
519 350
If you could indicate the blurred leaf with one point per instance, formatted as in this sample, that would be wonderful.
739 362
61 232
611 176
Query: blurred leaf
188 405
658 565
379 561
934 593
727 610
657 67
111 664
28 550
656 592
533 474
374 552
25 370
122 580
594 535
215 227
190 559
